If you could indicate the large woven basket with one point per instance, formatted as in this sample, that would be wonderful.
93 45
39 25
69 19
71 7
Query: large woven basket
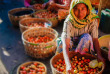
28 63
40 50
53 20
104 42
23 27
15 19
71 54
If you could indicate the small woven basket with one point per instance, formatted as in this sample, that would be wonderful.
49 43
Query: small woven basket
71 54
53 20
28 63
23 27
15 19
40 50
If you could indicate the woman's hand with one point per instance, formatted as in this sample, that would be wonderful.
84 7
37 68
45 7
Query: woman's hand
100 58
53 7
51 2
70 71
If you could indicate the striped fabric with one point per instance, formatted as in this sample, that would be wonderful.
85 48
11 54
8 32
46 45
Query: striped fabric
71 31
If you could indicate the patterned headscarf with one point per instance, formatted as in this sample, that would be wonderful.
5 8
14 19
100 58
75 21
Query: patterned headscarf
77 23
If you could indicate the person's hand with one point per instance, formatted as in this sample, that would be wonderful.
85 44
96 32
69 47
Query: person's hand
52 7
100 58
44 5
51 2
70 71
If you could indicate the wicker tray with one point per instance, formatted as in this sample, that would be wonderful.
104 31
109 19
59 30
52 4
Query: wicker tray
15 19
27 63
71 54
23 27
53 20
40 50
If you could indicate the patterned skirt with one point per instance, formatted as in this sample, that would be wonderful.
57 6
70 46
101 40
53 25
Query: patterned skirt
82 44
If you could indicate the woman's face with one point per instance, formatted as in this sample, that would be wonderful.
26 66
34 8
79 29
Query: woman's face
80 11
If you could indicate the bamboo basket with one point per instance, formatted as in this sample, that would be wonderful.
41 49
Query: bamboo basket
23 27
53 20
104 42
71 54
40 50
15 19
28 63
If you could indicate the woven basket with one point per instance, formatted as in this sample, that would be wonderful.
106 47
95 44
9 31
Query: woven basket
104 42
40 50
28 63
15 19
23 27
71 54
53 20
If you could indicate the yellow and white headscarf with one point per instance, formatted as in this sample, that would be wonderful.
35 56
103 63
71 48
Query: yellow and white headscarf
81 23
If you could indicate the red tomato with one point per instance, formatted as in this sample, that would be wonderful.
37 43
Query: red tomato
91 69
88 60
35 64
82 62
81 65
22 67
88 72
55 65
73 66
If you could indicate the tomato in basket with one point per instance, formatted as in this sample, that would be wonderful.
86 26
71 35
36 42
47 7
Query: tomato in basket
32 68
79 65
35 24
46 14
39 39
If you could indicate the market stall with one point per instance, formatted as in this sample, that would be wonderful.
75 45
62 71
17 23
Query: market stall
21 44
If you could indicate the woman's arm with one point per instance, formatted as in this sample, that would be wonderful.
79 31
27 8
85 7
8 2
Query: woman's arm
94 34
98 50
66 5
66 45
62 6
48 3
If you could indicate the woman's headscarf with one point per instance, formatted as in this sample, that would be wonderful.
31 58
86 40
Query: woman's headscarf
77 23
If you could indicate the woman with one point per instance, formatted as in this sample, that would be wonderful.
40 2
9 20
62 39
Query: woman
80 31
62 6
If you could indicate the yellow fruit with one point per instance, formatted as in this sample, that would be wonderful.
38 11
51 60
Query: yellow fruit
100 64
75 71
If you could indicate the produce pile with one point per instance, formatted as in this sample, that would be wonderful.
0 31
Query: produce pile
79 65
46 14
33 68
35 24
39 39
37 6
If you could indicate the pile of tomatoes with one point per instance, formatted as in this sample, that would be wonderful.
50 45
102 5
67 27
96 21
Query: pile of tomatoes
36 24
37 6
33 68
46 14
39 39
79 65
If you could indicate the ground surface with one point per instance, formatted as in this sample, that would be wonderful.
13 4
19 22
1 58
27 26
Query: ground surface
12 52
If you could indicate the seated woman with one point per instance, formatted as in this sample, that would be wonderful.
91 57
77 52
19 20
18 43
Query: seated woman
62 6
80 31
